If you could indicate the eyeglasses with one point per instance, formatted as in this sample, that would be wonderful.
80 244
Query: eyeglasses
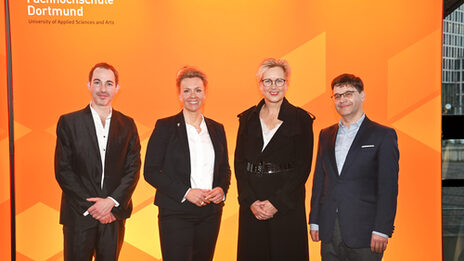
279 82
347 94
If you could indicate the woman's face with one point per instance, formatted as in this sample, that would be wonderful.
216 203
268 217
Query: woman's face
192 93
269 85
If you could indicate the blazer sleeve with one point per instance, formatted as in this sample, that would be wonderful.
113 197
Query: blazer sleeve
246 196
288 195
68 180
131 173
318 184
154 171
387 186
224 168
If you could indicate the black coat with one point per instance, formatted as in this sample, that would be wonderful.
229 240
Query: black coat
291 145
78 165
167 162
365 192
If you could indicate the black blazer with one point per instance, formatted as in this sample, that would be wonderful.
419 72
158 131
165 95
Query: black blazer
167 162
365 192
292 144
78 165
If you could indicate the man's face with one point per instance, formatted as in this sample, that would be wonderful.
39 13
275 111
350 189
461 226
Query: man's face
273 93
102 87
348 101
192 93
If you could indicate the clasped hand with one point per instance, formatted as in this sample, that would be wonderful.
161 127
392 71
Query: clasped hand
101 210
201 197
263 210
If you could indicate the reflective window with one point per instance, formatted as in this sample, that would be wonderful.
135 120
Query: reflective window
453 136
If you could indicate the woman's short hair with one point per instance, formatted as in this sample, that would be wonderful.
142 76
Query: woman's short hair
271 63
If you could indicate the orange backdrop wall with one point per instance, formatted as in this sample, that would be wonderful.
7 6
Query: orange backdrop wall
395 46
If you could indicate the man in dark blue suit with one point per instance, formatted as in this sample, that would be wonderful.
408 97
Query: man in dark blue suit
355 186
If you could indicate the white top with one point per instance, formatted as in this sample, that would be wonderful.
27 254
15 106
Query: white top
268 133
201 156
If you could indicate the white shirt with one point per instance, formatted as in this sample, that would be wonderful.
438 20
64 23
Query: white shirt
268 133
201 156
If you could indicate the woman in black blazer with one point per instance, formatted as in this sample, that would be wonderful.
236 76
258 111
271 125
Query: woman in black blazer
272 163
187 163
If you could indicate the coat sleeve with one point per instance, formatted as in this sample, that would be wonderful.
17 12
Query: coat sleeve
318 184
68 180
131 173
224 168
387 186
246 196
154 171
291 192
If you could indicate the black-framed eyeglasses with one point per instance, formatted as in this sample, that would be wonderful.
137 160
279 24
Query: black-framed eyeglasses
347 94
279 82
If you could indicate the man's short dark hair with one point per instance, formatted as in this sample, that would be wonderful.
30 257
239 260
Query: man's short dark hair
348 79
106 66
190 72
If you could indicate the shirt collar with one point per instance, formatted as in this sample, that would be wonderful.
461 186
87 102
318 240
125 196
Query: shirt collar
202 125
95 113
355 125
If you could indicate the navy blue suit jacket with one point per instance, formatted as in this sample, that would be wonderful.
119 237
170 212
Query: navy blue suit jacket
365 192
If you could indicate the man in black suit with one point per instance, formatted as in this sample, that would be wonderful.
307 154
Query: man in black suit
355 184
97 165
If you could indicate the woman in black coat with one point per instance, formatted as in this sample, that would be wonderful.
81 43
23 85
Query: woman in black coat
187 163
272 163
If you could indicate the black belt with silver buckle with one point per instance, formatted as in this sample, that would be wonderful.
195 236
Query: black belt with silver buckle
262 168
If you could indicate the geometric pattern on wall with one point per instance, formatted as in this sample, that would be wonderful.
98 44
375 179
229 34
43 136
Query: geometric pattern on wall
151 40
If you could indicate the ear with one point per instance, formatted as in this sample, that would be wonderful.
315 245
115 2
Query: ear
261 88
363 95
117 88
88 86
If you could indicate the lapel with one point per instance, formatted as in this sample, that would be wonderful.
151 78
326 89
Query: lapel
255 131
182 140
356 145
113 134
288 116
332 135
92 132
92 138
214 140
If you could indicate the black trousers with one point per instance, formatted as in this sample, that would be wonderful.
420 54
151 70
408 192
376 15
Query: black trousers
189 235
336 250
103 241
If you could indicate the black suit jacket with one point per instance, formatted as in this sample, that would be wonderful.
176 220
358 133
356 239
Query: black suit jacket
167 162
365 192
78 165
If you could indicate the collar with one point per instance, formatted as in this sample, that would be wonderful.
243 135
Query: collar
355 125
202 124
95 113
285 112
